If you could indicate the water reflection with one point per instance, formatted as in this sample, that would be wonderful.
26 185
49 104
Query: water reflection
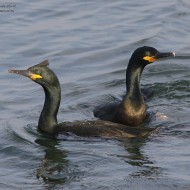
54 166
138 158
56 169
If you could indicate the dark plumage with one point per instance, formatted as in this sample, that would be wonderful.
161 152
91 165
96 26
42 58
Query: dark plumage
132 110
48 124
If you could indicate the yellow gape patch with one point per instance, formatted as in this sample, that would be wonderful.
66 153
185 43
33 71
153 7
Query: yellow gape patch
149 59
35 76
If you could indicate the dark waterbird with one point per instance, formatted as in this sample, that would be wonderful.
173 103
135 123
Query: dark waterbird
41 74
132 110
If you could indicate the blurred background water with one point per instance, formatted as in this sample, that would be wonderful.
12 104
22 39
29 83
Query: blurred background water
88 45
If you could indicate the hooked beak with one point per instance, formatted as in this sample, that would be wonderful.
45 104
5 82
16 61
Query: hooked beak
159 55
26 73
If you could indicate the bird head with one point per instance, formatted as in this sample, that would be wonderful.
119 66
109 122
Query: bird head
147 55
39 73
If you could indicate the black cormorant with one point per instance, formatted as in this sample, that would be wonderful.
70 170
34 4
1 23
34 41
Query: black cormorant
48 124
132 110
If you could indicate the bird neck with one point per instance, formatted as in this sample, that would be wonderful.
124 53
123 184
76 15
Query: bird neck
48 117
133 76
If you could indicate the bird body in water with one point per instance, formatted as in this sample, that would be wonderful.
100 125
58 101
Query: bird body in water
132 110
43 75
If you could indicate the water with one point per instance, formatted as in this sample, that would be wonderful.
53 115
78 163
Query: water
88 44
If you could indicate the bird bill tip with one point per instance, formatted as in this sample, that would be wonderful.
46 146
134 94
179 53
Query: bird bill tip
11 71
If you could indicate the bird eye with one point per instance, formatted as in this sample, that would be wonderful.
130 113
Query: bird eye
37 72
147 53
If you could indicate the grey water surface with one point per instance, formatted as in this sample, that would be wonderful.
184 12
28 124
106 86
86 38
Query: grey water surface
88 45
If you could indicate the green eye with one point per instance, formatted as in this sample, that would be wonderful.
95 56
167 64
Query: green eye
147 53
37 72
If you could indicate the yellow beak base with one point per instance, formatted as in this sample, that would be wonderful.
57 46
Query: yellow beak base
150 59
35 76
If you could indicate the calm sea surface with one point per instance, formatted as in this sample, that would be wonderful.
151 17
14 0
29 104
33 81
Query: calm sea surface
88 45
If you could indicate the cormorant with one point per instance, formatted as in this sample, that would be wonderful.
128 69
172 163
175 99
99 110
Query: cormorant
132 110
43 75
